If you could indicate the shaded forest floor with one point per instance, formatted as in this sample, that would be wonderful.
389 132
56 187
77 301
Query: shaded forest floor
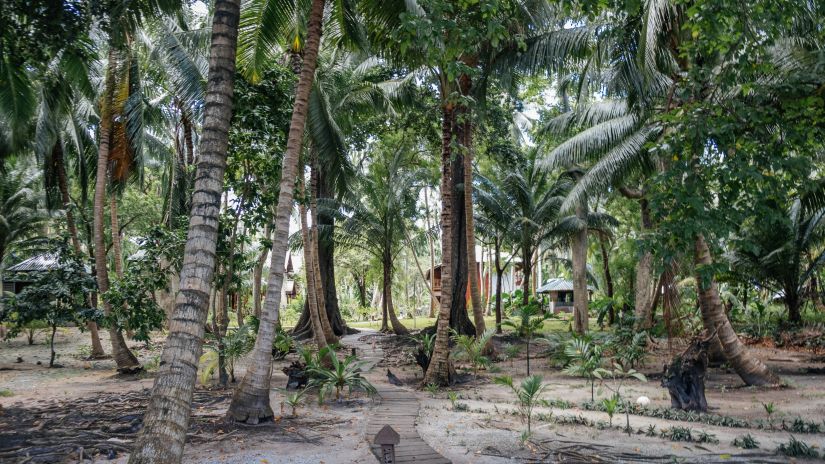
57 411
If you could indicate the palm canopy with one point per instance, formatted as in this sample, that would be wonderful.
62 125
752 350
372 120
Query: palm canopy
21 214
385 201
782 252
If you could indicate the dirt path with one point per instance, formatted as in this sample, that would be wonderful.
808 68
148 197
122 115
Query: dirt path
397 407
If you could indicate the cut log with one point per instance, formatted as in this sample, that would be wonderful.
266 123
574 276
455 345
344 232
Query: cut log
684 378
296 375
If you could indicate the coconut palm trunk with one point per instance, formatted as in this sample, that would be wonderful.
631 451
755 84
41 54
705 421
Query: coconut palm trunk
124 358
499 277
312 293
397 326
608 278
63 185
251 400
433 299
750 369
580 293
167 418
439 370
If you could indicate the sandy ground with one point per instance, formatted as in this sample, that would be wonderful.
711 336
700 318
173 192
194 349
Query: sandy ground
486 433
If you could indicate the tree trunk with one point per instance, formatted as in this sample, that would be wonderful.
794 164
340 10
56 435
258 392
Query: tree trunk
526 271
581 296
63 185
314 248
645 284
397 326
326 259
499 277
124 358
315 312
117 247
433 299
459 318
749 368
251 400
439 369
257 275
361 284
472 266
167 418
608 279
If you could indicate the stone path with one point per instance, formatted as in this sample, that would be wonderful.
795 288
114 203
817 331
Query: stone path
396 407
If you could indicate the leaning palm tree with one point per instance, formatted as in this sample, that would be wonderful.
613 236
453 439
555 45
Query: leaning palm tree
167 419
376 220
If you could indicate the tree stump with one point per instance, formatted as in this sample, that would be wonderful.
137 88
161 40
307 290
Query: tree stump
296 375
684 378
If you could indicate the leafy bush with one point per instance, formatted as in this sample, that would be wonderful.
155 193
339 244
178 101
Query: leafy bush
677 434
235 344
282 344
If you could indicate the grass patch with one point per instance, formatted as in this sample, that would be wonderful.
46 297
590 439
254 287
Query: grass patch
5 393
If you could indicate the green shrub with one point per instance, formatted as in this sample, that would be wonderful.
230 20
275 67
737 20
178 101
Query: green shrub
797 449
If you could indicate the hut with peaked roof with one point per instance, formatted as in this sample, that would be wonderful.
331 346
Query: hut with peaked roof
560 294
22 274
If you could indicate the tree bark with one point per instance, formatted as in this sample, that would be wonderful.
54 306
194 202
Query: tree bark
326 259
63 185
167 418
459 317
257 275
314 248
124 358
472 266
526 271
433 299
251 400
645 284
608 279
750 369
581 296
499 277
439 369
312 293
117 247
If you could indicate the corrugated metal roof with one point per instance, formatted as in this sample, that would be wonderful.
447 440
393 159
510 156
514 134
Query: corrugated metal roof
558 285
41 262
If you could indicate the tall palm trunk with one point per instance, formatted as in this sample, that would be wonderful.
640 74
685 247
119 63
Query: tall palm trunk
526 270
750 369
433 299
124 358
117 245
167 419
472 266
580 293
311 294
440 369
63 185
397 326
316 266
499 276
251 399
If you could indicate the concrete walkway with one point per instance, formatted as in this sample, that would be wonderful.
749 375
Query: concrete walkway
395 406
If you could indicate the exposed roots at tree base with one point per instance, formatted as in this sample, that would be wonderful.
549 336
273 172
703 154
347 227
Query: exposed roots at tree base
106 426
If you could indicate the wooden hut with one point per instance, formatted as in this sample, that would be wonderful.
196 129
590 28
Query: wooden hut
560 294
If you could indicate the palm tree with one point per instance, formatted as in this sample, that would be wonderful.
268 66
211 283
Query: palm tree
534 198
613 136
22 215
167 419
779 254
251 399
376 221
